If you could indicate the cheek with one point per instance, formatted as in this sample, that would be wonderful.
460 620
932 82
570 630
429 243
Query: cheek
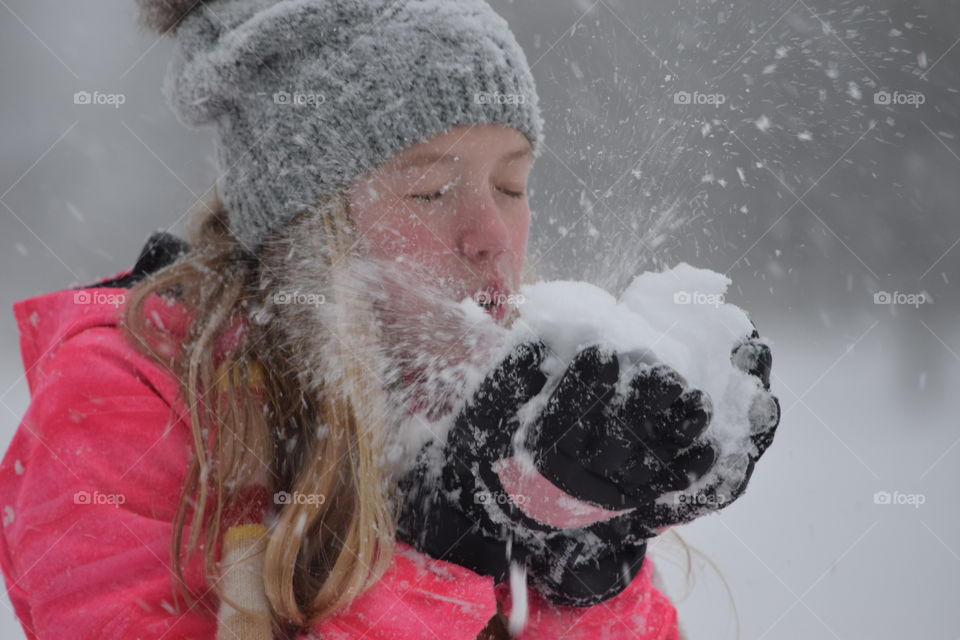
393 230
519 234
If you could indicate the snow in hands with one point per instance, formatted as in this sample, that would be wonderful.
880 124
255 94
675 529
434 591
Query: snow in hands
678 317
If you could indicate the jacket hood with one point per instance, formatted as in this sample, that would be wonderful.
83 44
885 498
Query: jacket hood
48 321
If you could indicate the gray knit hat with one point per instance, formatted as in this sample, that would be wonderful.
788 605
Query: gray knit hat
307 95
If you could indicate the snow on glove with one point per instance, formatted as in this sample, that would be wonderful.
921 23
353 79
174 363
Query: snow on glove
727 482
621 448
471 521
618 446
453 507
587 565
755 358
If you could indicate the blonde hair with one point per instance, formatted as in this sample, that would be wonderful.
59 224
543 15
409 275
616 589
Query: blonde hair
290 436
664 555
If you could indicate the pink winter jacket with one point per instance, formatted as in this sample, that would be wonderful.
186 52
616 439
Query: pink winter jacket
90 483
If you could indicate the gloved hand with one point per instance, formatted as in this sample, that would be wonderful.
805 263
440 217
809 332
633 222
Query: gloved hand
581 566
751 356
452 506
755 358
620 440
638 444
621 448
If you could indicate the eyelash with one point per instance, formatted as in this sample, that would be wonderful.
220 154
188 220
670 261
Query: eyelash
427 197
430 197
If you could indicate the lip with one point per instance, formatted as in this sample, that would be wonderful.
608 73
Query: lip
493 299
498 312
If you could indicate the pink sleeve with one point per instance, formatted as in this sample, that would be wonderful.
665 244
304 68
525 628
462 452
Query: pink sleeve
639 612
88 490
418 597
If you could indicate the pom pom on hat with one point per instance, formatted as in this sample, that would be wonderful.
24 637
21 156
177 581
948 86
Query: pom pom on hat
165 15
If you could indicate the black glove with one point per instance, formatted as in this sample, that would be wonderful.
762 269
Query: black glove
444 510
754 358
637 445
621 450
619 543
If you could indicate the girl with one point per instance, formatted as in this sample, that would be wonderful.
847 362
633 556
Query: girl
277 431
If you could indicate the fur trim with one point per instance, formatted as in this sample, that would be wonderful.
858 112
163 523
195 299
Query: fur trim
165 15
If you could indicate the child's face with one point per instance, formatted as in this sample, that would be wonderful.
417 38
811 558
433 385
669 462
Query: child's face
454 206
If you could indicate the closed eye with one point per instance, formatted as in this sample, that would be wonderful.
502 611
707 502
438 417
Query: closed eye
511 193
435 195
427 197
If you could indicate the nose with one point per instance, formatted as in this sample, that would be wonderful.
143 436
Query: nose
484 234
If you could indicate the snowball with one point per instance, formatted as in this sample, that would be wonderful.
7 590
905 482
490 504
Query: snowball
678 317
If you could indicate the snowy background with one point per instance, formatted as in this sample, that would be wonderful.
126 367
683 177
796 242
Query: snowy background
808 149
